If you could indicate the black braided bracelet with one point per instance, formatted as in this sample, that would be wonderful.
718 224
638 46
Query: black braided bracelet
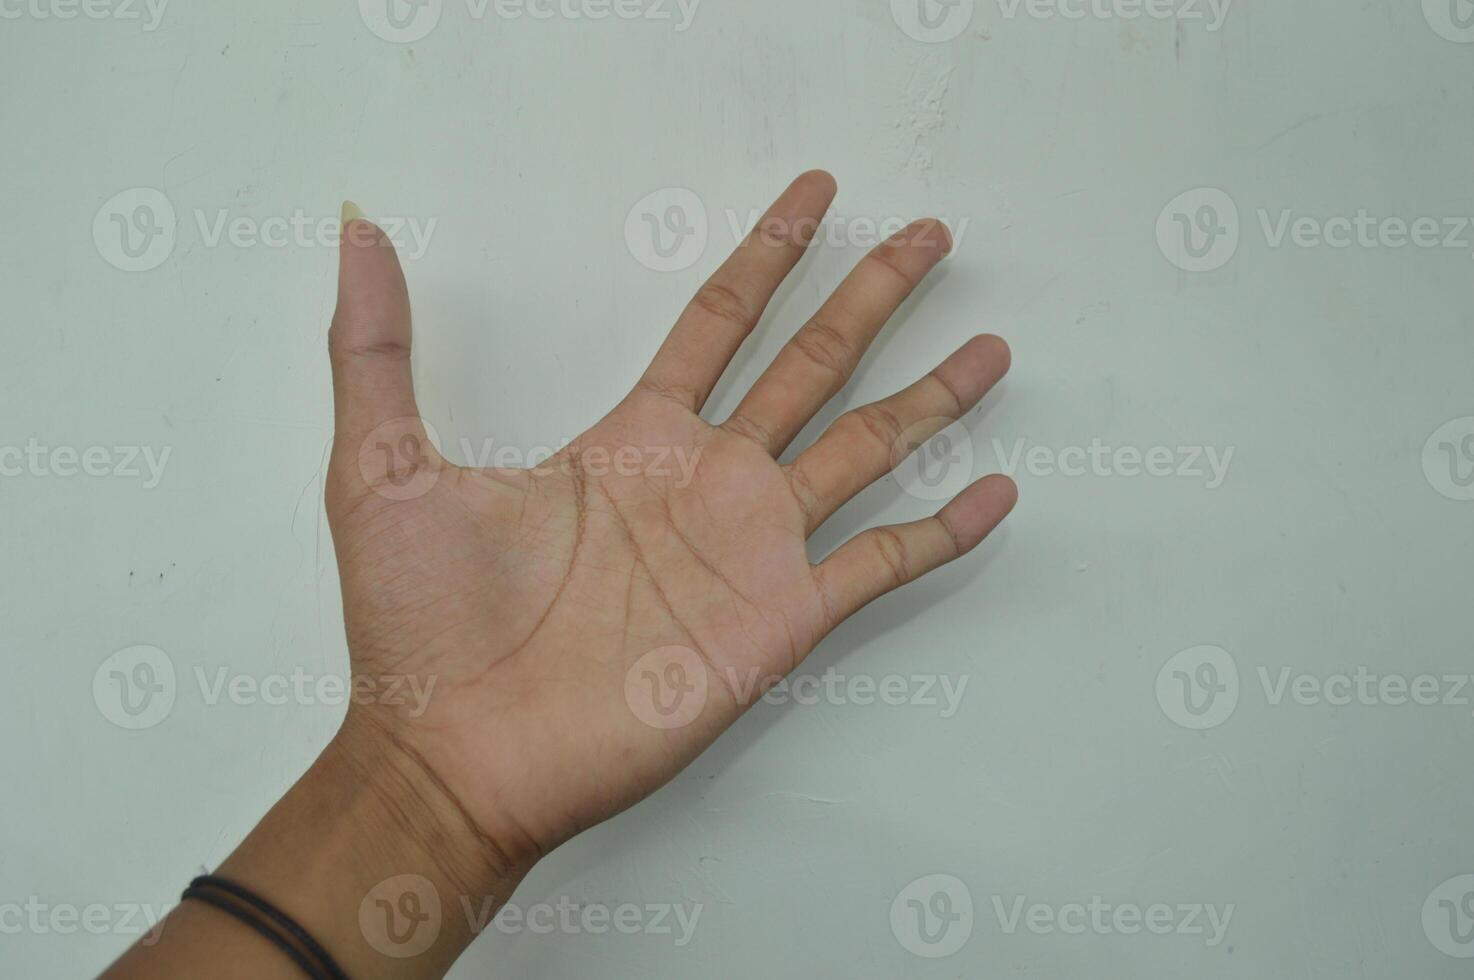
325 967
230 908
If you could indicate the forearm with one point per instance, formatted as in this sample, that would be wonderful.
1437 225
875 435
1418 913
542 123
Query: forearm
363 852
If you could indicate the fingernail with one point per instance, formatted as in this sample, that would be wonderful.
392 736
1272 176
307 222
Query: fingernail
351 212
947 241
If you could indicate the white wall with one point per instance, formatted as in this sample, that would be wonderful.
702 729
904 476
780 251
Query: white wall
1052 146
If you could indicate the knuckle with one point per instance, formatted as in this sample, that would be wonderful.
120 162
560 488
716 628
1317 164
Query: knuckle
342 342
825 346
685 395
724 304
958 407
879 424
805 493
890 257
753 431
959 547
891 550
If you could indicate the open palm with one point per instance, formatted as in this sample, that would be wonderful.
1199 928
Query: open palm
592 624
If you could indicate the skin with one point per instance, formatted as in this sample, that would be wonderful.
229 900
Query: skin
587 625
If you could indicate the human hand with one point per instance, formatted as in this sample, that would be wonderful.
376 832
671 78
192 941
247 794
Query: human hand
587 624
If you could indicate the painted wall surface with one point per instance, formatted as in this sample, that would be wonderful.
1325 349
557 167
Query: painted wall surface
1201 709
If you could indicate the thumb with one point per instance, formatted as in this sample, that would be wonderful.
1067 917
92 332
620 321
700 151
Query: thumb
377 428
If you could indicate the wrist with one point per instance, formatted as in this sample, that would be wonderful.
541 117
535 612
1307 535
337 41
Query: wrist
407 807
375 859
